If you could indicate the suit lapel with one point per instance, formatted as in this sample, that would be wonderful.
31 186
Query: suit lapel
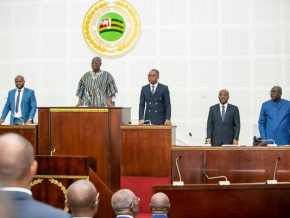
23 95
157 90
228 111
218 109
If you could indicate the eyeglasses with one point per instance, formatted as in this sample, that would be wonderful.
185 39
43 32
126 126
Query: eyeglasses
97 62
152 75
274 92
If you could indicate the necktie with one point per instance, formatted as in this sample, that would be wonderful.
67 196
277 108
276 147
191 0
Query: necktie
152 90
17 101
223 113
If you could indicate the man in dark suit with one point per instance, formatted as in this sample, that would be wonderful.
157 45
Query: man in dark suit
17 168
82 199
125 204
223 123
154 106
159 205
21 102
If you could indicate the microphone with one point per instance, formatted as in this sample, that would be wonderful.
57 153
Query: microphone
270 140
274 181
129 122
217 177
51 152
178 182
147 121
18 118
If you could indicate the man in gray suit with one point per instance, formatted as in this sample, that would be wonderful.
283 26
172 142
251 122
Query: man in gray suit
17 168
223 123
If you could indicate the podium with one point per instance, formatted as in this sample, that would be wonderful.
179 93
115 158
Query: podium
27 131
85 131
146 159
56 173
146 150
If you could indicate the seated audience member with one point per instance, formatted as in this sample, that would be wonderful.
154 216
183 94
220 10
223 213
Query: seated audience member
125 204
159 205
82 199
17 168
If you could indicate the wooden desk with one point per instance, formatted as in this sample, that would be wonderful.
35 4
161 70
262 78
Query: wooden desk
238 164
235 200
85 131
27 131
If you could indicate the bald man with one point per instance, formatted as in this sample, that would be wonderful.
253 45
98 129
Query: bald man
21 102
159 205
17 168
82 199
223 123
125 204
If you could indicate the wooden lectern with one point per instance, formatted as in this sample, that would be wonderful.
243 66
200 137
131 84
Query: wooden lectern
146 150
146 159
85 131
56 173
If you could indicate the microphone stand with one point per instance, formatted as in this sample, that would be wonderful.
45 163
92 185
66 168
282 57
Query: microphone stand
19 119
217 177
274 181
271 140
178 182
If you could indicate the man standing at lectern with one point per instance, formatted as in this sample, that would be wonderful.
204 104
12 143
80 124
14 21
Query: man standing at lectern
21 102
96 88
223 123
154 105
274 121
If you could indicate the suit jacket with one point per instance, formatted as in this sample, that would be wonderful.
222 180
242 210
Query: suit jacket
157 106
28 105
225 132
26 207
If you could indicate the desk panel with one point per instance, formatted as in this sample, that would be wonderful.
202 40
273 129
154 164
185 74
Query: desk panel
238 164
235 200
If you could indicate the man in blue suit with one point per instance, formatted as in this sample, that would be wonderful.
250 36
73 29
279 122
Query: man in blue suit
17 168
125 204
21 102
159 205
223 123
154 106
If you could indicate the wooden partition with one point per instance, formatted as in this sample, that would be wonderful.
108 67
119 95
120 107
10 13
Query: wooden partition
85 131
56 173
238 164
27 131
236 200
146 150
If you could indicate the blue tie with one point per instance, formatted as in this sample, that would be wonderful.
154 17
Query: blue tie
17 101
223 113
